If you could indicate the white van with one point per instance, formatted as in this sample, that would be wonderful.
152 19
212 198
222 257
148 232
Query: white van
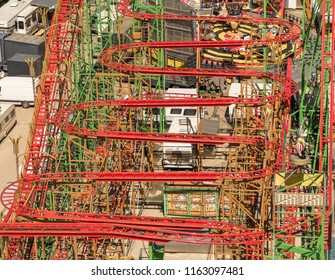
7 119
182 112
172 112
18 90
180 155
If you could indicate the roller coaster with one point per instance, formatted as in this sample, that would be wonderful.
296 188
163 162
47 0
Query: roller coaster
91 160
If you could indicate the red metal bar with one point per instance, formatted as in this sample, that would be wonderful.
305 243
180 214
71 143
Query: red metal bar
292 29
61 49
147 233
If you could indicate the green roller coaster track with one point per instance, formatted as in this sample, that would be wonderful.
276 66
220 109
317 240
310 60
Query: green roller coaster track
308 244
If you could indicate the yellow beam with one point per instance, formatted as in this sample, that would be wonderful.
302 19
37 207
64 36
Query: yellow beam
296 179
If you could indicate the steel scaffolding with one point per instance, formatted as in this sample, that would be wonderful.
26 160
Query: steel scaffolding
94 147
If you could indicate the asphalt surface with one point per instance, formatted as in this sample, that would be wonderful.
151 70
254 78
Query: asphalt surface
7 157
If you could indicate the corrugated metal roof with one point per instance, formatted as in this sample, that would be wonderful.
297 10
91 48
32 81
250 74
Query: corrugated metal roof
208 126
44 3
25 38
21 57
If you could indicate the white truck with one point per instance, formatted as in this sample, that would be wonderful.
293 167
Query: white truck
172 112
182 112
18 90
181 120
180 155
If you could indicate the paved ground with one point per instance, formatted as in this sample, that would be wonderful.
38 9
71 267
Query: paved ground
7 158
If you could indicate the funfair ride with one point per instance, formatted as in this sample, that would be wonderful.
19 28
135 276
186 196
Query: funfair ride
90 163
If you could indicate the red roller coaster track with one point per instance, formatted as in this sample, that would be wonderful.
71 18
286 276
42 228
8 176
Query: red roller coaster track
61 45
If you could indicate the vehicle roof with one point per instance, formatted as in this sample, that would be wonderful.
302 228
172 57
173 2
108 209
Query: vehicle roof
179 125
27 11
4 107
10 10
181 91
176 144
25 38
9 79
235 88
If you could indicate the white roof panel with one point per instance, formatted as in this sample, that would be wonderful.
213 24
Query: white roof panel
10 10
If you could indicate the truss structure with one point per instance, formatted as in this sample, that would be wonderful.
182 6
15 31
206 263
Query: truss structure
92 154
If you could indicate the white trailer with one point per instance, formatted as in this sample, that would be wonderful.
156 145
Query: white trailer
9 12
172 112
183 112
180 155
7 119
18 90
27 20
